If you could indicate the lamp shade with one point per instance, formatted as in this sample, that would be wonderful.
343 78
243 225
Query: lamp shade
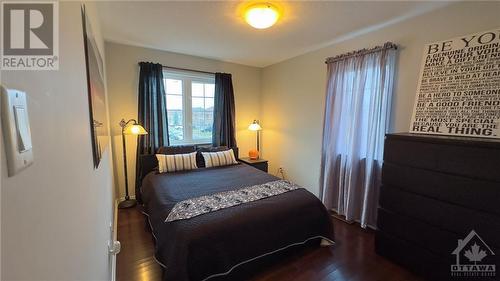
255 126
134 129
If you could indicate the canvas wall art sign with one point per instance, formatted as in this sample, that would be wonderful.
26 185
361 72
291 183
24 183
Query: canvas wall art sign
458 92
96 94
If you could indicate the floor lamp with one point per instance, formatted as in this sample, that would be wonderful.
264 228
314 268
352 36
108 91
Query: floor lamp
130 127
254 153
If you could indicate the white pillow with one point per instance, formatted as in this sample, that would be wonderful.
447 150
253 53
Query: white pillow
176 162
219 158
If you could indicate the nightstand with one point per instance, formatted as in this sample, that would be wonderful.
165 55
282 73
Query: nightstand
260 164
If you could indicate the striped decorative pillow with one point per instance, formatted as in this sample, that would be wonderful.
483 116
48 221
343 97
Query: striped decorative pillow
176 162
219 158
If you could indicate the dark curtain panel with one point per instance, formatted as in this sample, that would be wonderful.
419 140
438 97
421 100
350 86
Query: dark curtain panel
152 114
224 128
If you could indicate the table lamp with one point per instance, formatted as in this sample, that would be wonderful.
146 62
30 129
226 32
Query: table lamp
254 153
130 127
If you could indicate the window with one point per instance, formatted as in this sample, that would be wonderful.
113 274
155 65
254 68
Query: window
190 106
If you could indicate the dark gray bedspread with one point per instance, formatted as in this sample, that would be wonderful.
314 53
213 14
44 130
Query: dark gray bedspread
213 243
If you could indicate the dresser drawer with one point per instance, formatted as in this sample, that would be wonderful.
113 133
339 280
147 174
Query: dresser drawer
409 255
449 217
469 159
434 239
472 193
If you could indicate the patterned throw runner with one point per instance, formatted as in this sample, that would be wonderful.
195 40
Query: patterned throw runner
205 204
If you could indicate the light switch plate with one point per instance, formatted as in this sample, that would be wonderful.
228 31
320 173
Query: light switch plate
16 130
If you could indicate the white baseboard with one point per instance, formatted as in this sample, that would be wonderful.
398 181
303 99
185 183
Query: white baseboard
342 218
115 235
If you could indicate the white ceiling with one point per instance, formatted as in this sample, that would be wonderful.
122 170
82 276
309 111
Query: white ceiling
217 30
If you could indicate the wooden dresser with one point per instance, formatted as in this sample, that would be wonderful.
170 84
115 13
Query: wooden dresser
435 190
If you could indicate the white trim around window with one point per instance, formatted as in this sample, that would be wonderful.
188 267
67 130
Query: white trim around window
188 78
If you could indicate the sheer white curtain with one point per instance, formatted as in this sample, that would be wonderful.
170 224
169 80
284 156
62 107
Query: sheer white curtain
358 105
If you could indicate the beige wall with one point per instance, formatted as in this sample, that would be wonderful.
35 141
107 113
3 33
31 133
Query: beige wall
293 91
123 75
56 214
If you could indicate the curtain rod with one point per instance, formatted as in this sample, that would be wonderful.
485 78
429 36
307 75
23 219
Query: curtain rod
386 46
187 69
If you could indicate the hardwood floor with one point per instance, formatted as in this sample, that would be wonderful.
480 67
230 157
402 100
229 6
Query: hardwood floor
352 258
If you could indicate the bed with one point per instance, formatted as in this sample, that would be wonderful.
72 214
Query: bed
212 244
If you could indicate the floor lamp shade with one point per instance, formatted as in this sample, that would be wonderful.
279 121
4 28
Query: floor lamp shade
135 129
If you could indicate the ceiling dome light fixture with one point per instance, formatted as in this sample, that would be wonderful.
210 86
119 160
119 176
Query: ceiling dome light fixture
262 15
